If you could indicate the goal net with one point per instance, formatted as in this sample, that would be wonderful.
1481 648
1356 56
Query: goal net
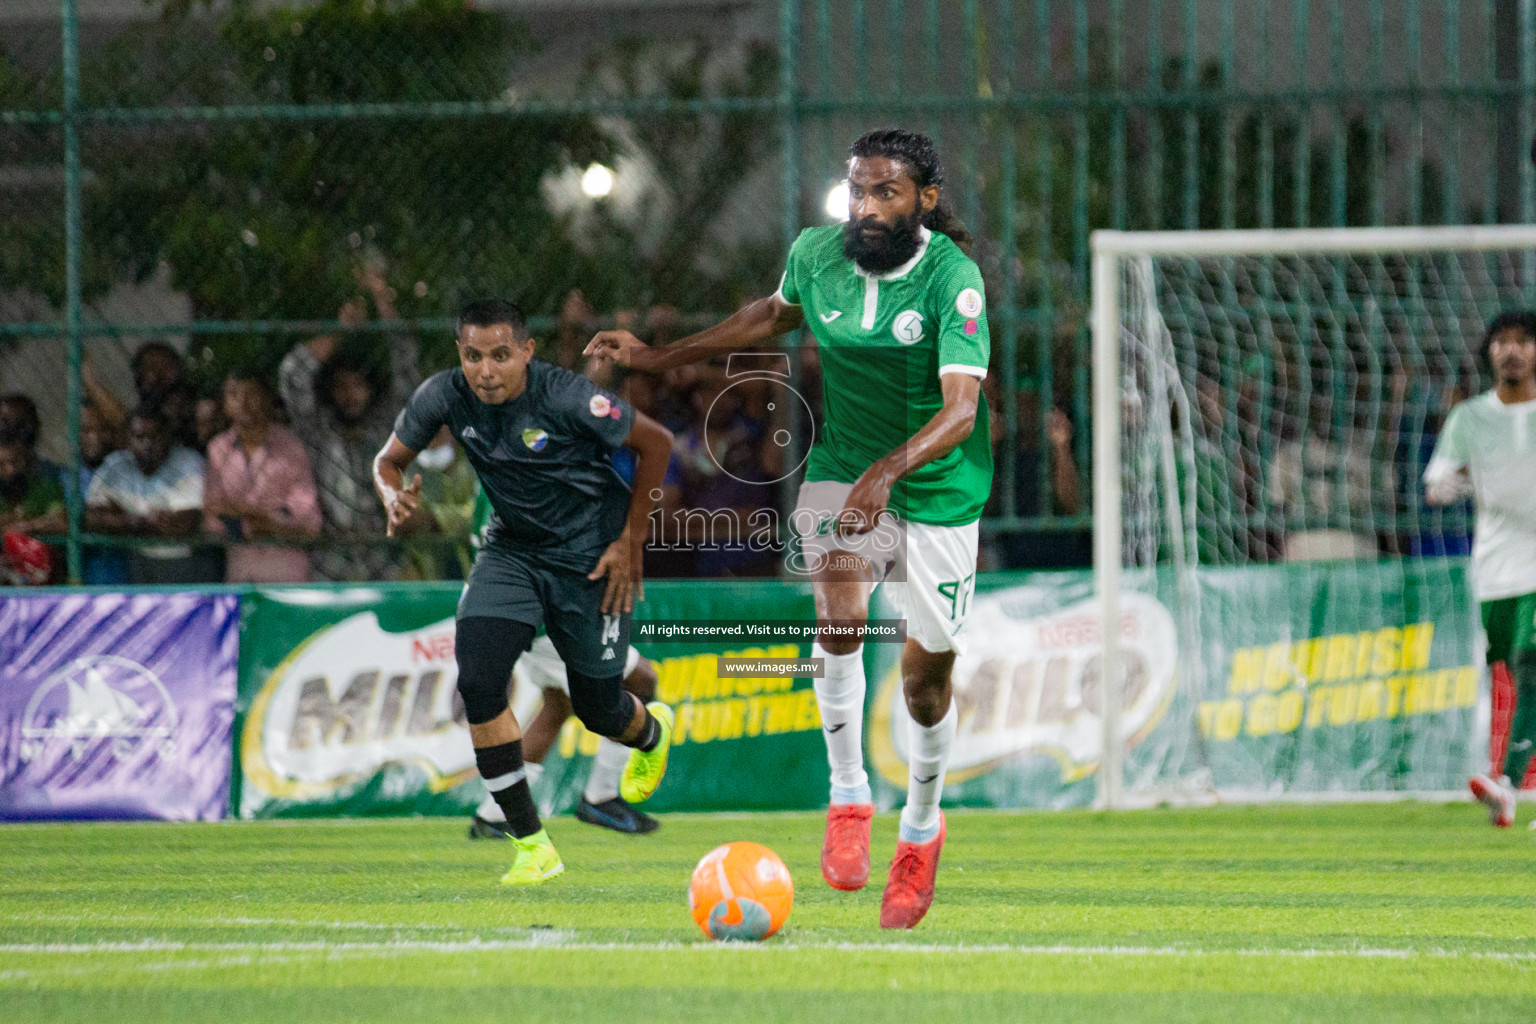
1265 404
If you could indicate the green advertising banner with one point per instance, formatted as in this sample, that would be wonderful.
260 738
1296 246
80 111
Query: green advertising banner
347 705
740 743
1251 683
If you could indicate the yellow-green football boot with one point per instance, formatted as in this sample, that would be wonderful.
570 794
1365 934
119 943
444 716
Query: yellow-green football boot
534 860
643 773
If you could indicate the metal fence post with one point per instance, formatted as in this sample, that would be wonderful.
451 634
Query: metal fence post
72 260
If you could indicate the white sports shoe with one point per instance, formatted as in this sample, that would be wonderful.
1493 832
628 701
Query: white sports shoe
1498 795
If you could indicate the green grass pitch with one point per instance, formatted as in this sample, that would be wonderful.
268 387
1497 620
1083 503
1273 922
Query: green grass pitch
1396 912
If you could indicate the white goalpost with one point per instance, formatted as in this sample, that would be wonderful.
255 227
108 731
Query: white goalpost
1263 404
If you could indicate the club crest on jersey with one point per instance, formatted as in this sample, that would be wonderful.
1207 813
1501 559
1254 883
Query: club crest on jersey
908 327
968 303
535 438
600 406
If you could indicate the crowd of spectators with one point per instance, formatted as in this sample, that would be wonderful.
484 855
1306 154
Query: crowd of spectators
268 480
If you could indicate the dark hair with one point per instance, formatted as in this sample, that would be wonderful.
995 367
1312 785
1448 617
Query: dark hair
490 312
29 426
149 347
1521 320
917 152
348 361
249 374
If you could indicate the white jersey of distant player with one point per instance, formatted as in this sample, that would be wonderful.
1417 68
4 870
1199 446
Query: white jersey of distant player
541 669
1496 444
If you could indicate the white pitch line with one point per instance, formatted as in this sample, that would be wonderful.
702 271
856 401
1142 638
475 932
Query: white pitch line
560 941
223 922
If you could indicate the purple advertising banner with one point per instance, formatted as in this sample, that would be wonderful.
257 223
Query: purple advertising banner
117 705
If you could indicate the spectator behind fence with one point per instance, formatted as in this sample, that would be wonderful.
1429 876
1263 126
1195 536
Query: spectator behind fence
160 382
100 566
1036 548
18 416
210 421
160 378
343 411
259 485
30 500
449 489
153 489
1325 483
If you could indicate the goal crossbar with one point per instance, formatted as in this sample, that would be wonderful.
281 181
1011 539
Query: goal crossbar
1313 241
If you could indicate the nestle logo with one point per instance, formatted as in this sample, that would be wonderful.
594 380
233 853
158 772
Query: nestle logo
1083 631
433 648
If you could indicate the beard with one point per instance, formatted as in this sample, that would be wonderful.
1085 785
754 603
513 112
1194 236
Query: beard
892 246
1512 373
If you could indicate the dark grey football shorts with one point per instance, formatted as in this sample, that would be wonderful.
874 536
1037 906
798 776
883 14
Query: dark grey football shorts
517 585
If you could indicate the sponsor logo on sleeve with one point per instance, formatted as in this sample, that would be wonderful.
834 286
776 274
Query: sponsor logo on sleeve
968 303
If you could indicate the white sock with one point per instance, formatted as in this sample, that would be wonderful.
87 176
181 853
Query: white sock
925 776
840 696
489 810
607 767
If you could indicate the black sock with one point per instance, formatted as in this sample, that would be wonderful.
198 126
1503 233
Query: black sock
650 732
502 769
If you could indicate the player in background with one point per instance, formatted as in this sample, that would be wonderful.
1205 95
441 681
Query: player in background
899 474
564 551
541 672
1488 450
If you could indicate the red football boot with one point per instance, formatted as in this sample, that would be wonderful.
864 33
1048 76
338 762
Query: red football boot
909 892
845 852
1497 795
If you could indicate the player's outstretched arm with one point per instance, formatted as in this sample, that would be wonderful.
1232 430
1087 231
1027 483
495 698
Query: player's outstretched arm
623 562
400 501
753 324
950 426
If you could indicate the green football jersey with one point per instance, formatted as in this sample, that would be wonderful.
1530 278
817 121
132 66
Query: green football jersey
884 341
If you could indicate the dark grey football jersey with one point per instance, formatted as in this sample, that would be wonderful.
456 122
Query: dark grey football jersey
544 458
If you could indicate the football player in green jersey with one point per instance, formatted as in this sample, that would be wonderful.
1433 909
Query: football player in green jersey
896 482
1487 450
